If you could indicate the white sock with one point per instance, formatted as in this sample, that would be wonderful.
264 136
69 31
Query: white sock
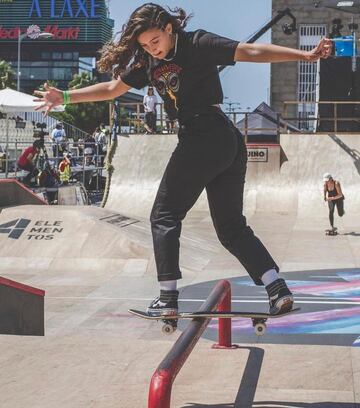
269 277
168 285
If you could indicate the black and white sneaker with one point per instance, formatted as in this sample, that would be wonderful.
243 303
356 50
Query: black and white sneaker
280 298
164 305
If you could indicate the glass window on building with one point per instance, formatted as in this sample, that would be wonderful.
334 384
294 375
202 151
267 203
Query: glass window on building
86 65
68 56
61 74
38 73
309 77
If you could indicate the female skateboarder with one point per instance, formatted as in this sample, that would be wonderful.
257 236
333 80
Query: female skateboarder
154 49
335 198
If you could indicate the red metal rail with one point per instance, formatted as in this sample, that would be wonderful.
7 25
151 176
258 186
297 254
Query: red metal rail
165 374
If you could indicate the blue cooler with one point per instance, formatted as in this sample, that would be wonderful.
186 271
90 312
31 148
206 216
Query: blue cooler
344 46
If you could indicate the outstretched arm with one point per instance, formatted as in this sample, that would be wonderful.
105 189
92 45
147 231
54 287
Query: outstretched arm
275 53
103 91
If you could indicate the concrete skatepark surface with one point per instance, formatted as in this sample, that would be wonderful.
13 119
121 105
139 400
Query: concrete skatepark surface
96 263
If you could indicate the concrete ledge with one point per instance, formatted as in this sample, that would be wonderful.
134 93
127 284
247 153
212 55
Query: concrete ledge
21 309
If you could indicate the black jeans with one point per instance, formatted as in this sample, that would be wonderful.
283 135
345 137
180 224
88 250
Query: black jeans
150 120
339 204
32 169
211 154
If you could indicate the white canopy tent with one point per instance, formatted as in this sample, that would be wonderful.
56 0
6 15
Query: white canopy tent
14 101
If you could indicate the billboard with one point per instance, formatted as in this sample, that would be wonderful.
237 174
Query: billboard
75 21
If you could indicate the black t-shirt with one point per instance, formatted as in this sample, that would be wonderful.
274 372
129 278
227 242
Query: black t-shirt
190 80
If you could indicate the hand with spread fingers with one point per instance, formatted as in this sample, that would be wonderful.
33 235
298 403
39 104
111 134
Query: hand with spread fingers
322 50
50 98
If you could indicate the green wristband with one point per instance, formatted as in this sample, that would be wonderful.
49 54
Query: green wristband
66 97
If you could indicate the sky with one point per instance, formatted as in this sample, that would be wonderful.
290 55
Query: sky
245 85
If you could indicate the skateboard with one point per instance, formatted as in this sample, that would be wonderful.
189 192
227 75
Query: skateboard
331 231
170 322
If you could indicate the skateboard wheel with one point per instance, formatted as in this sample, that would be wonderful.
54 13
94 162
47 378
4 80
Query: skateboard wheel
260 329
168 328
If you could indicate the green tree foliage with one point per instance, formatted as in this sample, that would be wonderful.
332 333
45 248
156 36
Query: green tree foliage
7 76
86 116
50 82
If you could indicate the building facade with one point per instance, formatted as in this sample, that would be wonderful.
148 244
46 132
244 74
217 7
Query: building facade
79 29
299 81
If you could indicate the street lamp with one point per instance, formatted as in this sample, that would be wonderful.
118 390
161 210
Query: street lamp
33 32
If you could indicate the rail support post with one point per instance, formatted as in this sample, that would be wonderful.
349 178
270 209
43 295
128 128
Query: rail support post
224 327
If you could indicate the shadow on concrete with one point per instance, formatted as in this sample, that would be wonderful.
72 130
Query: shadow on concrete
248 385
280 404
352 233
355 154
327 404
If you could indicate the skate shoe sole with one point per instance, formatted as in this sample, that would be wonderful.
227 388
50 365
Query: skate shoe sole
161 312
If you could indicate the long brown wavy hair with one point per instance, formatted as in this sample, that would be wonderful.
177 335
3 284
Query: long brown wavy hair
116 55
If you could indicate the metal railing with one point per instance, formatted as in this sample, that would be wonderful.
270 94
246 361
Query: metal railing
83 163
337 121
164 376
27 118
132 119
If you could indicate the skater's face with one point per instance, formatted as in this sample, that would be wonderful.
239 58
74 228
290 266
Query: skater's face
156 42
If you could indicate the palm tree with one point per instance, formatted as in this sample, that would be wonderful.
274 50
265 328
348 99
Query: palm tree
81 81
7 75
50 82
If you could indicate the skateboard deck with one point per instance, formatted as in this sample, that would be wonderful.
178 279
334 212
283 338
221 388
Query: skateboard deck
170 322
212 315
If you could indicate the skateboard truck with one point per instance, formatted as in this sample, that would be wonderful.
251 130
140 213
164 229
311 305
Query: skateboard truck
169 326
259 326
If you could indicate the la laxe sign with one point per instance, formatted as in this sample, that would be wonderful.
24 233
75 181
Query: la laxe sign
67 9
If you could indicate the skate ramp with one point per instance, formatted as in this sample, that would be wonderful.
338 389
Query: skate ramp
298 187
13 193
139 163
72 195
289 182
65 238
95 264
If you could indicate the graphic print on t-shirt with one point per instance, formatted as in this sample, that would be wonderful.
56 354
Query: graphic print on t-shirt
166 80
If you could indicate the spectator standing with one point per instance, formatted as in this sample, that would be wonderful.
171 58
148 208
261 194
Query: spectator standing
65 168
150 102
89 149
58 140
100 136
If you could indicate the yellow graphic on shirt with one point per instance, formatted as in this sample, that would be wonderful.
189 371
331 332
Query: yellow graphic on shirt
166 81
